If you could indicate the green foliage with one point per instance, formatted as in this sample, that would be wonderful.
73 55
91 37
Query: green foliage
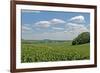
82 38
51 51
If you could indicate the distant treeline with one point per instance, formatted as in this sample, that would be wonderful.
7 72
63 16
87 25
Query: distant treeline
43 41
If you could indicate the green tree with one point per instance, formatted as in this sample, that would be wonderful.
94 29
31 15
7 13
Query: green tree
81 38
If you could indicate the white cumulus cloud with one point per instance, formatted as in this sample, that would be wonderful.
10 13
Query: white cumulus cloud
77 28
25 28
57 21
46 24
77 19
42 24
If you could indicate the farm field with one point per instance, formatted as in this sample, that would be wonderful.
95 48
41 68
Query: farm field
45 51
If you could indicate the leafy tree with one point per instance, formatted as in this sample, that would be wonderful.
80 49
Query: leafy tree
81 38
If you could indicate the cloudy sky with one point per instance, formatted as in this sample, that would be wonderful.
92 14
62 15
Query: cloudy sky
54 25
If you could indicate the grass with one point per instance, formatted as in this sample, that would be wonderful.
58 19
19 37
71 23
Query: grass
53 51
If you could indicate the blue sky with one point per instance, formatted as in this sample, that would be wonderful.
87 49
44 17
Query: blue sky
54 25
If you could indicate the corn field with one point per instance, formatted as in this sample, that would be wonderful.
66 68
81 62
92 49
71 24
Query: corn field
53 51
